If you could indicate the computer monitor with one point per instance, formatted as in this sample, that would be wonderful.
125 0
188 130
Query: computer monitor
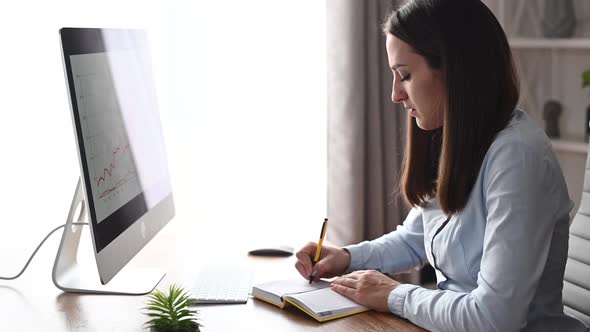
125 185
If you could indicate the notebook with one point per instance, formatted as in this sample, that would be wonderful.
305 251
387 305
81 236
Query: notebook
317 300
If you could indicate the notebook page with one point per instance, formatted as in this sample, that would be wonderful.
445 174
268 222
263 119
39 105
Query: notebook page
326 302
282 287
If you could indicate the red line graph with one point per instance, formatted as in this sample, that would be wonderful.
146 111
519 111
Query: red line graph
108 171
119 183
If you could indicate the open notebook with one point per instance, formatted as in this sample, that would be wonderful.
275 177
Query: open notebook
317 300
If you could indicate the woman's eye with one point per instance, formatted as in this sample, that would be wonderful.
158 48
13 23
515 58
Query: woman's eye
404 78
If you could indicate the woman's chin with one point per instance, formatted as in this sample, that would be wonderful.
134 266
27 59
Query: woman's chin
427 125
424 125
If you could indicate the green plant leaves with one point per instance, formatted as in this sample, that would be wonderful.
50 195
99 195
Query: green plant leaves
170 312
586 78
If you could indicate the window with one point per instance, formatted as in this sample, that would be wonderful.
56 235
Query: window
249 87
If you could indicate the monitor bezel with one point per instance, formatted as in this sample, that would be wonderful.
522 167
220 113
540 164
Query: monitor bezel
115 243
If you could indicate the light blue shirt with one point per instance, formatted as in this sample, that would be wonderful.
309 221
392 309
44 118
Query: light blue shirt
499 262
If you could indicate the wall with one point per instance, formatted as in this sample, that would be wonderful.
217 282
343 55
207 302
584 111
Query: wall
242 101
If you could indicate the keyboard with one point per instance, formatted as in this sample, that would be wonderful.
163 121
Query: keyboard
221 285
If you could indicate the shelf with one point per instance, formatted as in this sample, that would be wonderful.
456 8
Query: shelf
569 146
550 43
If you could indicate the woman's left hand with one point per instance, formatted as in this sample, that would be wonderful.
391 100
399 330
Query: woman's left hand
369 288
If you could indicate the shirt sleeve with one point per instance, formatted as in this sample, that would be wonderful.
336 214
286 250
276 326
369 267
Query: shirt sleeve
521 196
394 252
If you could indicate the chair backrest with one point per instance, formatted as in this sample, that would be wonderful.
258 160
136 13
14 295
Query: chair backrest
576 283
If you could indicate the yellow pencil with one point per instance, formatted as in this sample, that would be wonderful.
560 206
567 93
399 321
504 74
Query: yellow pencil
318 249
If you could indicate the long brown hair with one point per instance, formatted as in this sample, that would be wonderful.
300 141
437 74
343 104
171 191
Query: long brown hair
462 39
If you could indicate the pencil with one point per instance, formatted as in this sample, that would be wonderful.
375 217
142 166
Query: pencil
318 249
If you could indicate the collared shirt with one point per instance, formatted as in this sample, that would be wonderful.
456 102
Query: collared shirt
499 262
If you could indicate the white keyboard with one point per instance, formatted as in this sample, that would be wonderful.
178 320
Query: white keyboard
219 285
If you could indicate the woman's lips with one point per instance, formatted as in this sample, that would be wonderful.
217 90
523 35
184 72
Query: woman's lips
412 112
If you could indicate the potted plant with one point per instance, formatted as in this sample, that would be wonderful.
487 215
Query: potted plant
170 312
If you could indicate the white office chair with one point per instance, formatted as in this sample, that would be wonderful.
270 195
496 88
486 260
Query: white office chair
576 283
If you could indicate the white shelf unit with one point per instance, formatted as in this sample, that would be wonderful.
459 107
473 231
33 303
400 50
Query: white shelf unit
570 146
546 43
562 145
514 16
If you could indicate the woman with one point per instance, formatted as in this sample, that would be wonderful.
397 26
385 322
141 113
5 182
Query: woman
490 208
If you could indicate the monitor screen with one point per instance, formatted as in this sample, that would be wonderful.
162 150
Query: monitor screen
119 137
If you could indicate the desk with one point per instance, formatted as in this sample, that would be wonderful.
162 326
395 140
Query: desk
33 303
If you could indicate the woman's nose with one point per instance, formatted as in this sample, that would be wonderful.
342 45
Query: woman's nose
398 94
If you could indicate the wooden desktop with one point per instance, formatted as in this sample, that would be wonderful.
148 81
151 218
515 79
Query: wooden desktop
33 303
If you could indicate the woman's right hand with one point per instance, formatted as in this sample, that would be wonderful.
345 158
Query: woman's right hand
333 261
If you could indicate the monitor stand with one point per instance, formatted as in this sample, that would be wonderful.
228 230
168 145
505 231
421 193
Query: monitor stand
70 276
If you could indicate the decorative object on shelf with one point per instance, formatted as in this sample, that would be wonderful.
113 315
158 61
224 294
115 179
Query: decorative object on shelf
585 83
551 112
170 312
560 19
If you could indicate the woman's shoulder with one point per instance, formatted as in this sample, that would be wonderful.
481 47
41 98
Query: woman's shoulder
522 158
521 147
521 135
